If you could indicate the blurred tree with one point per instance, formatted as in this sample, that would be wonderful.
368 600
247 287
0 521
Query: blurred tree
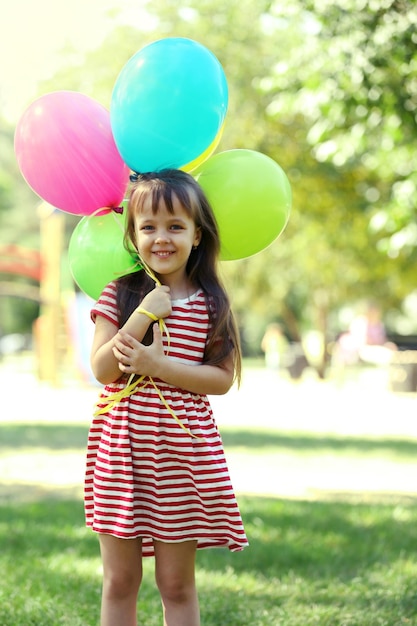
19 224
327 89
354 80
17 202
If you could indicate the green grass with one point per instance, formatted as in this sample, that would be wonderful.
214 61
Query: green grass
261 441
333 562
27 438
325 563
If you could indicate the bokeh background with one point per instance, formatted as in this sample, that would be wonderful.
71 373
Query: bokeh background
321 437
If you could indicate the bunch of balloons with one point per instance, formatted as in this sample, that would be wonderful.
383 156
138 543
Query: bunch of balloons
168 109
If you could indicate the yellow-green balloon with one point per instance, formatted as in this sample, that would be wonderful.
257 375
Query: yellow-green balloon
96 253
251 198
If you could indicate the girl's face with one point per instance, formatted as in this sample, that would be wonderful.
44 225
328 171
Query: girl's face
165 239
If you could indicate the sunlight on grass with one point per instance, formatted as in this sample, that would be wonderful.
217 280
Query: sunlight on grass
49 458
336 558
309 563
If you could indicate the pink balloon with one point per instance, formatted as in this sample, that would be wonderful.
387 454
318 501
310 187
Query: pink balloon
66 152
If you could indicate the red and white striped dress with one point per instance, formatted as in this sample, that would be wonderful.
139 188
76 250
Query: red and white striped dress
146 476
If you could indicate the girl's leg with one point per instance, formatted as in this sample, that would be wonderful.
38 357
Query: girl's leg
122 575
174 572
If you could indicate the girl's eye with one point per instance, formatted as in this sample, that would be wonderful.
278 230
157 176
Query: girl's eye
147 227
176 227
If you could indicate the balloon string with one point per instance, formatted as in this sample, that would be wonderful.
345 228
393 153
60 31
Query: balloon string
116 397
103 210
105 405
115 211
115 214
171 412
140 264
161 321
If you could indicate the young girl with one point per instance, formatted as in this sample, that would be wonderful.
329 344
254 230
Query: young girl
157 482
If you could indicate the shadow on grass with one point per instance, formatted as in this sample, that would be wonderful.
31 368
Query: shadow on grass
344 556
311 442
336 538
60 437
55 436
331 538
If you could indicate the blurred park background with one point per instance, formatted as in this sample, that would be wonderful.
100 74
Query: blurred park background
321 440
328 90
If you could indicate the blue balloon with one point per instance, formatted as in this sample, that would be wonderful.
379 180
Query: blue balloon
168 104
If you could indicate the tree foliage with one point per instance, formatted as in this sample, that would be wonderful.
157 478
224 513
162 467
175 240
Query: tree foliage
355 82
327 88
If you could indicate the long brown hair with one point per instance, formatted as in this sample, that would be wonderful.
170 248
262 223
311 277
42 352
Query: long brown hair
202 266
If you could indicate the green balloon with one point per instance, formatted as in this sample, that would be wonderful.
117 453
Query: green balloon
251 197
96 253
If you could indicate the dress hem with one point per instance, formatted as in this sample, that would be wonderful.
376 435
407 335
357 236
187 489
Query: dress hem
147 549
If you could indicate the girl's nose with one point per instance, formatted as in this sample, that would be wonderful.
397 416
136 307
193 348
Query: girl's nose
162 238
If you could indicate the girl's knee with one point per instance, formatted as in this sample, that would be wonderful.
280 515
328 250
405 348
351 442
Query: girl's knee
175 590
122 566
174 571
121 584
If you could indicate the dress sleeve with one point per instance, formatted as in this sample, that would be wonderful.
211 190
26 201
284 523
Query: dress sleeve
106 305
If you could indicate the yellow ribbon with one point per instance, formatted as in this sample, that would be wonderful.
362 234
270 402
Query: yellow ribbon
110 401
118 396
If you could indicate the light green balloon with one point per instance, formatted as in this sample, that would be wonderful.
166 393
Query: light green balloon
96 253
251 197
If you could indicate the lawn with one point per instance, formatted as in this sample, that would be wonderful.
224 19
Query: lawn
326 563
343 560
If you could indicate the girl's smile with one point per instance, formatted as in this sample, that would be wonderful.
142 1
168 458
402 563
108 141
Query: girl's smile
165 240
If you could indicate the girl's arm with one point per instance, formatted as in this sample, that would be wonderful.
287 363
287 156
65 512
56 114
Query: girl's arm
202 379
134 357
104 363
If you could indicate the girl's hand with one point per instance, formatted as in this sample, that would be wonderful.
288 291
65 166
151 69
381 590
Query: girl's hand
135 358
158 301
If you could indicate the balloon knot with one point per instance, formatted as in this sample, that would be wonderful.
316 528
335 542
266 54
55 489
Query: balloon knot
134 177
118 209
